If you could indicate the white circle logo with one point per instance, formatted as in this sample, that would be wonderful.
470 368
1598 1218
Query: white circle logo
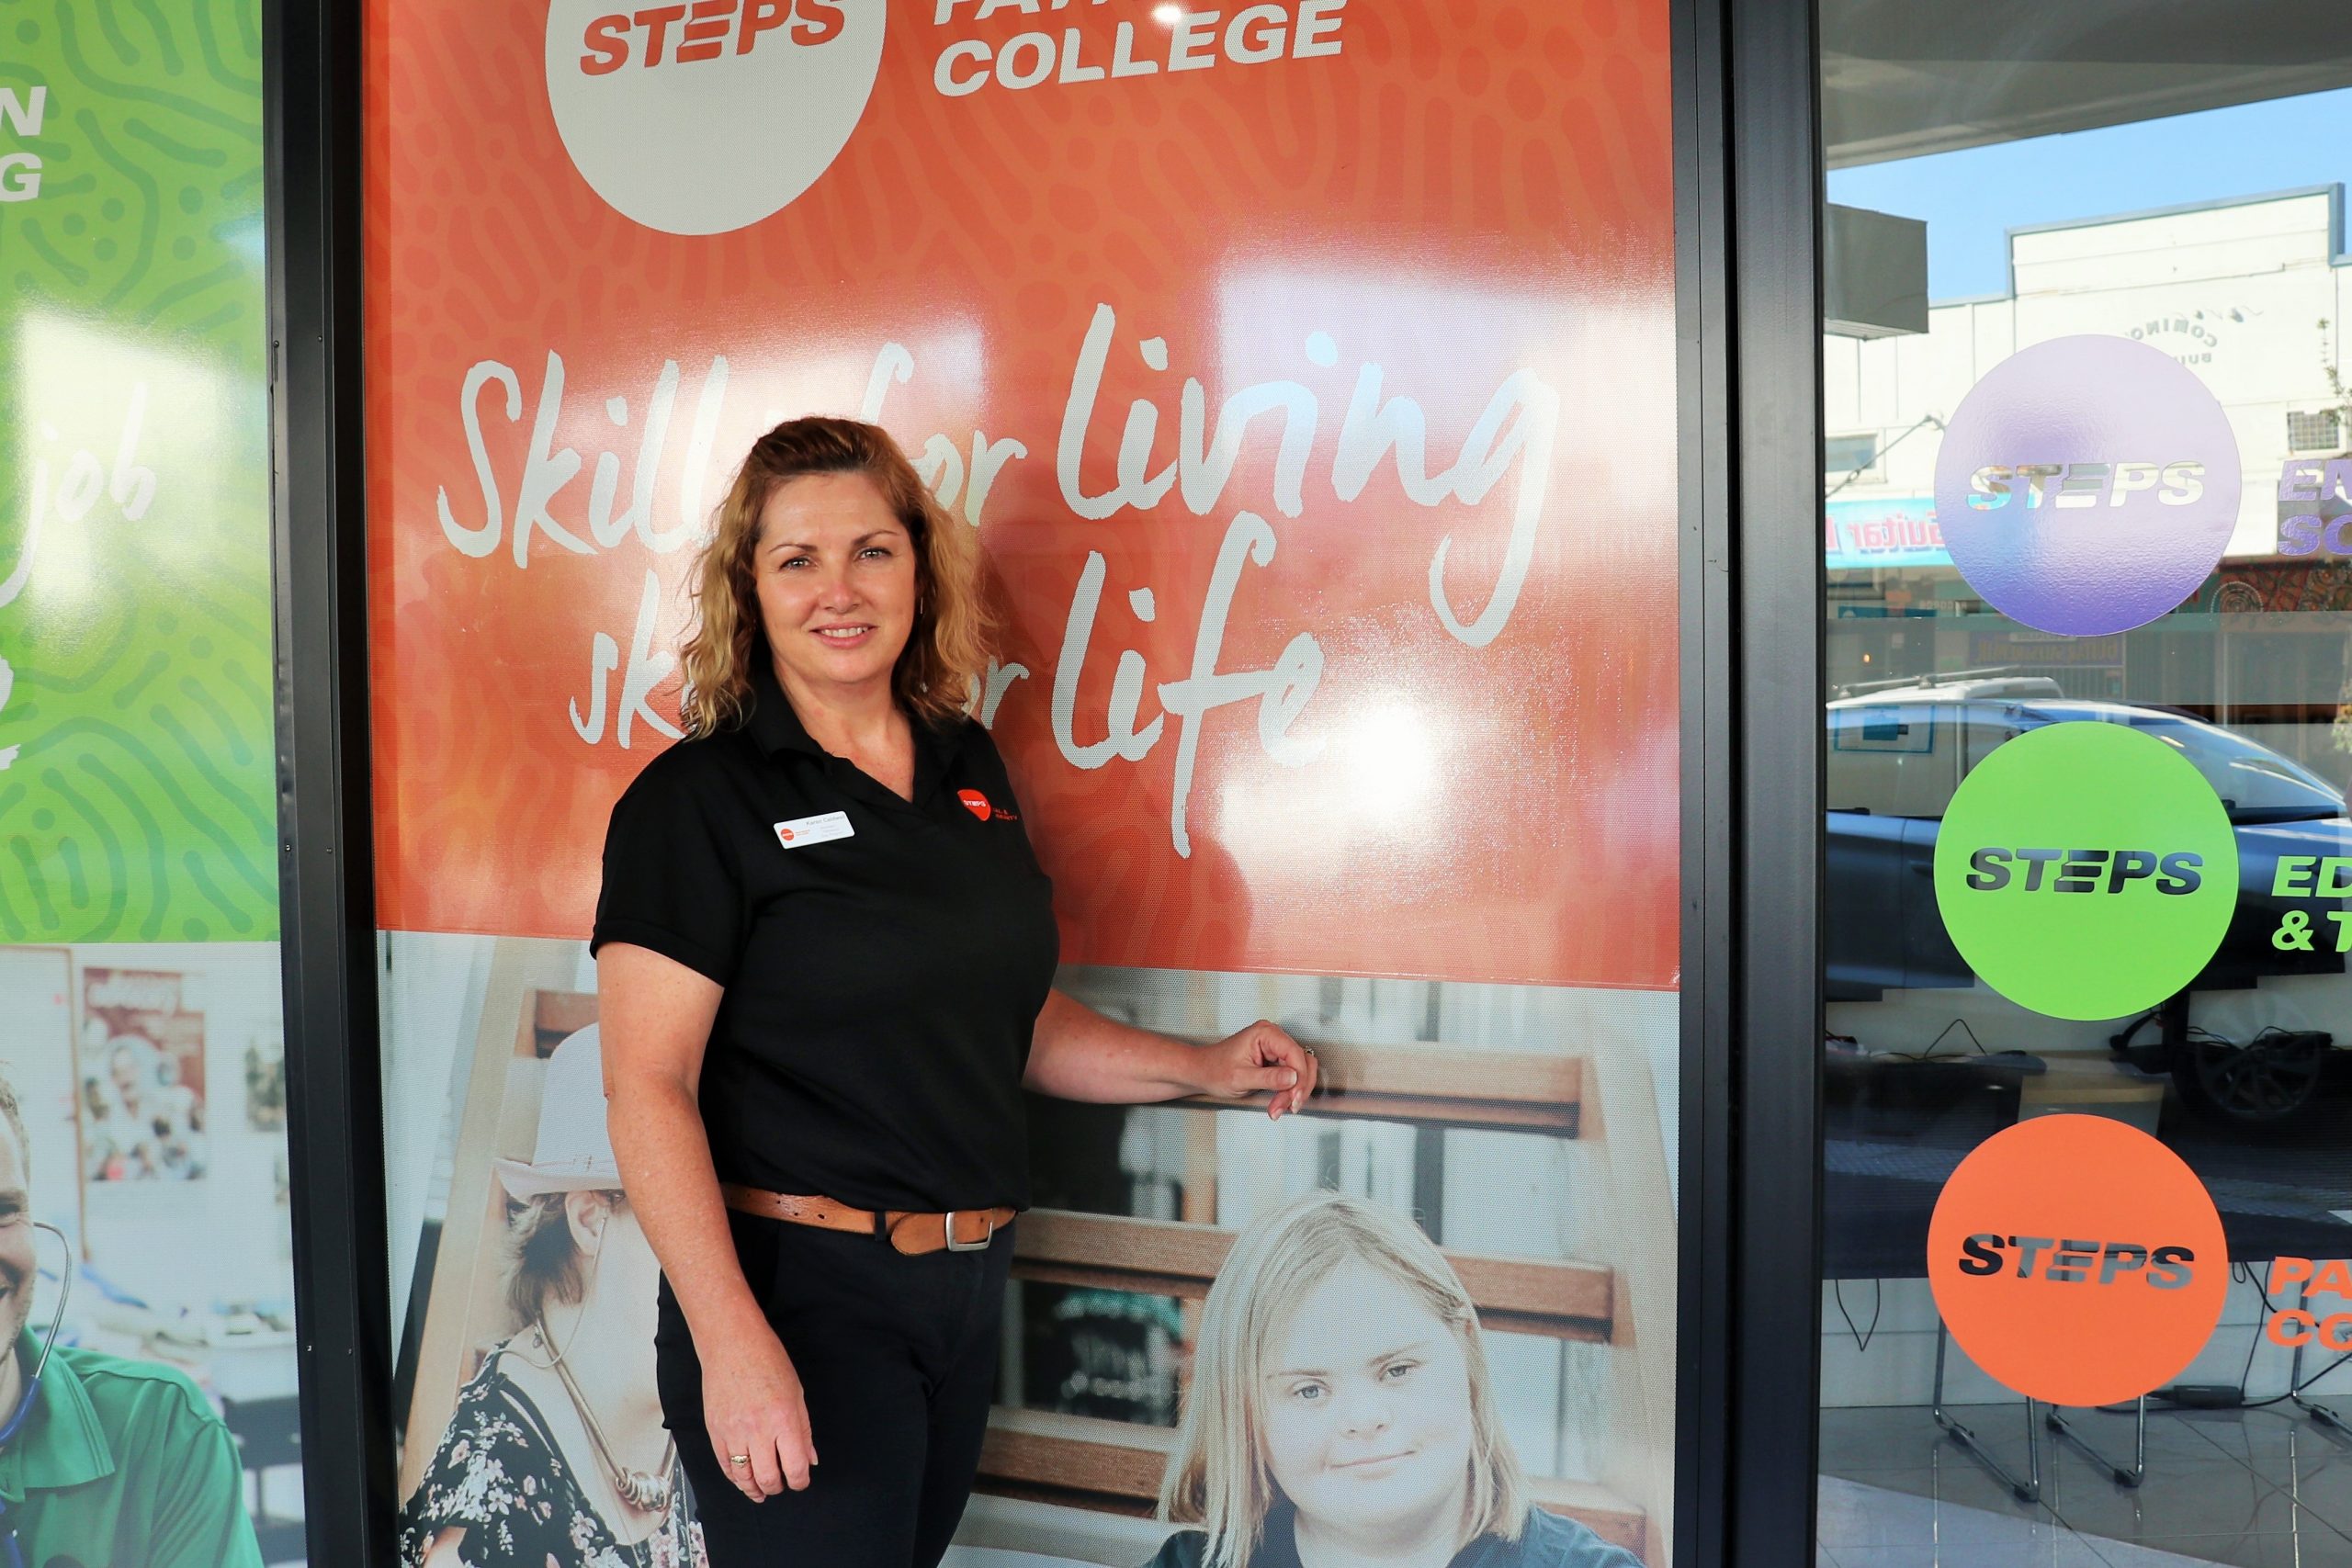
699 117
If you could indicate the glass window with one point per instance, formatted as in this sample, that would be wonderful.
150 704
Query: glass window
1850 454
144 1225
2115 519
1321 696
2255 783
2315 430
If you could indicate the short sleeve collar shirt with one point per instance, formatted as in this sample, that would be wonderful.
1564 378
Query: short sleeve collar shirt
883 960
122 1461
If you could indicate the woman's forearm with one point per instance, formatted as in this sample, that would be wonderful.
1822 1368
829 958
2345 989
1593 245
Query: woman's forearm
1078 1054
664 1155
656 1015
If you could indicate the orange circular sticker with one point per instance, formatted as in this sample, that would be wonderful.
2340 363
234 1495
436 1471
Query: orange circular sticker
976 803
2077 1260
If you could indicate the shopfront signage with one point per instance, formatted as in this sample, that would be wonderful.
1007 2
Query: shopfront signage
2077 1260
2323 1324
1312 456
1307 372
2085 870
2088 485
1895 531
1189 41
21 114
660 107
2041 651
2315 505
2189 339
138 792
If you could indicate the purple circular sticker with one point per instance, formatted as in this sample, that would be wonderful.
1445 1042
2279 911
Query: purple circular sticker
2088 485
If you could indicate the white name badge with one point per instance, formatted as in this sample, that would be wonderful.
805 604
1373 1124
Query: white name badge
803 831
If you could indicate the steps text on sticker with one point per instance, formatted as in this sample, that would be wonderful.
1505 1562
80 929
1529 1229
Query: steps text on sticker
2068 1262
2298 1326
2072 485
2082 871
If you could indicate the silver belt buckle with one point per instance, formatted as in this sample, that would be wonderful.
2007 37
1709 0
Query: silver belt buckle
980 1245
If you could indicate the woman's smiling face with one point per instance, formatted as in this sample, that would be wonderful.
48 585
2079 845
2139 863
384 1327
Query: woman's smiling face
835 571
1366 1403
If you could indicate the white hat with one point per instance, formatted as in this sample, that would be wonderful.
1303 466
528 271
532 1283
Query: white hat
573 1153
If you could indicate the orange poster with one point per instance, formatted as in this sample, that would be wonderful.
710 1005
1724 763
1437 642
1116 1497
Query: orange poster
1306 369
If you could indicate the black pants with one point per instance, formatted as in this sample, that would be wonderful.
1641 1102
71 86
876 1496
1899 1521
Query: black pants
899 1357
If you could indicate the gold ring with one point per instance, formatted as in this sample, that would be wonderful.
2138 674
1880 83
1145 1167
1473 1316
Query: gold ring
739 1459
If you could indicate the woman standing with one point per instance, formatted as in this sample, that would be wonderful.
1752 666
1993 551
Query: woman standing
825 955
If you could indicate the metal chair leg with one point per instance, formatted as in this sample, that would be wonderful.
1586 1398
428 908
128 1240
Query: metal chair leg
2310 1407
2026 1491
2131 1477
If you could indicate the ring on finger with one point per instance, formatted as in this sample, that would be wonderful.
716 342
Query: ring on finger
739 1459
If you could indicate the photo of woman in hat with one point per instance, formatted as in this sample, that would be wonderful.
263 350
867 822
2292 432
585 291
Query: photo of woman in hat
556 1455
1340 1411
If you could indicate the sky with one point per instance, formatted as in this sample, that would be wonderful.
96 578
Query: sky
2244 150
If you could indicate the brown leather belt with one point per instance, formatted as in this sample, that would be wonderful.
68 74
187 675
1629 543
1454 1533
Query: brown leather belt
913 1232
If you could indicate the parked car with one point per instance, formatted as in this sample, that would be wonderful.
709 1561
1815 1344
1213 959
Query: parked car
1897 755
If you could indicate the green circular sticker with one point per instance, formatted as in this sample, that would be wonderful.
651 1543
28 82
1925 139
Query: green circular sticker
2086 870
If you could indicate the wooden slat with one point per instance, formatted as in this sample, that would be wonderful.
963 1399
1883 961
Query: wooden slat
1113 1465
1116 1467
1527 1091
560 1015
1560 1299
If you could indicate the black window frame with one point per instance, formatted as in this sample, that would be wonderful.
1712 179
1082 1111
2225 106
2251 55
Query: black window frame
1748 201
310 90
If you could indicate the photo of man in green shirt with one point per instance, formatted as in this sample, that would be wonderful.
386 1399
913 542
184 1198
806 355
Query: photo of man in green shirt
114 1463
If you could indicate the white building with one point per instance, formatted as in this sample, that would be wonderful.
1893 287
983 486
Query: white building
2252 294
2249 293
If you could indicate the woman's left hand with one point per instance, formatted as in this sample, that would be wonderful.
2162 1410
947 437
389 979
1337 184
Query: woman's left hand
1261 1058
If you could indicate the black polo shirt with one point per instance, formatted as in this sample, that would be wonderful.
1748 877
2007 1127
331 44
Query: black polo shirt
884 961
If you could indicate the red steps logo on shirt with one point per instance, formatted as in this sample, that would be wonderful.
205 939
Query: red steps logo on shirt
700 116
977 805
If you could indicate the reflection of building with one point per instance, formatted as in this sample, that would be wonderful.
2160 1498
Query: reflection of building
2249 294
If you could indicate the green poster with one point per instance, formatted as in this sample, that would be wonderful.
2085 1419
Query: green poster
137 796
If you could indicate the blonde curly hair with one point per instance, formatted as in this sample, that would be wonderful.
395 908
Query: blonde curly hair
946 651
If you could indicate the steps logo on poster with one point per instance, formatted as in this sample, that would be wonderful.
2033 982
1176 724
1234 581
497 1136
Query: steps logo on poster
701 117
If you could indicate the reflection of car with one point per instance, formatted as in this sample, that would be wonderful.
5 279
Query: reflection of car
1895 757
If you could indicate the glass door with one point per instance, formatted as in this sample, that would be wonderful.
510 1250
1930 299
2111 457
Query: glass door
2088 730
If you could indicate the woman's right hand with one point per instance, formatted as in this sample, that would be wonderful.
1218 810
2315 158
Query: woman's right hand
752 1406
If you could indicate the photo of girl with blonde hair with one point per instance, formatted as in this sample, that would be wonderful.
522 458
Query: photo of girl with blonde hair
1340 1412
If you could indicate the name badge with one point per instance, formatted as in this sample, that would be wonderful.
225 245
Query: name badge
802 830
